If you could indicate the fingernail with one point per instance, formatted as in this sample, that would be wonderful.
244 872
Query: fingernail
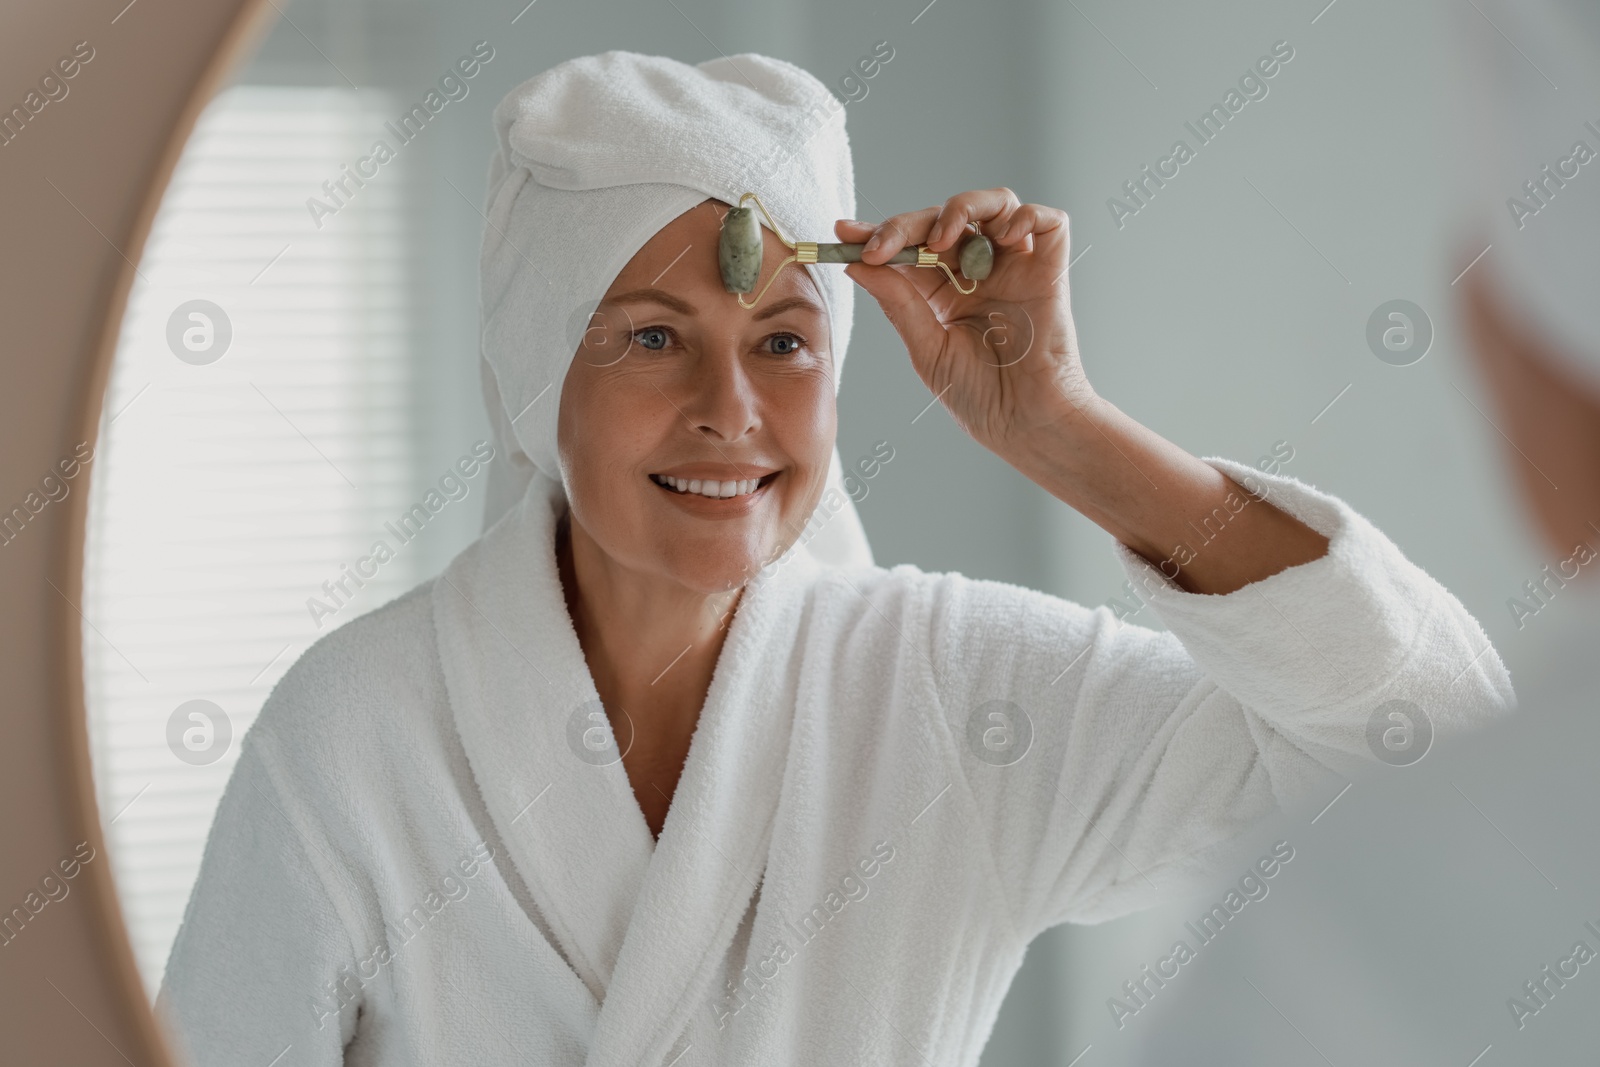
872 242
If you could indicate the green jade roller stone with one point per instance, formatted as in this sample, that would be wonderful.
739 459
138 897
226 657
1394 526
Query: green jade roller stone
739 250
740 247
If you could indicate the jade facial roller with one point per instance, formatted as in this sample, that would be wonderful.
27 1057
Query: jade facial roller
739 253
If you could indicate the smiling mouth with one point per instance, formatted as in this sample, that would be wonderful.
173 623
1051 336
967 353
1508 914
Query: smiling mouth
711 488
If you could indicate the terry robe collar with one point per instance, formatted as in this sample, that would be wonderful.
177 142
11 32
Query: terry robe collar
643 924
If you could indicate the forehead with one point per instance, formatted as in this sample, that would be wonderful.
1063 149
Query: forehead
681 258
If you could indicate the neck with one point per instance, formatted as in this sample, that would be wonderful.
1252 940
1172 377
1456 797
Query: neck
651 643
639 616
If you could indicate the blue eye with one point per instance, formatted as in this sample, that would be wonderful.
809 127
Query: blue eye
655 338
783 344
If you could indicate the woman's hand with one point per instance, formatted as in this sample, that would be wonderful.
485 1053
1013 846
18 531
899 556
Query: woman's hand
1004 360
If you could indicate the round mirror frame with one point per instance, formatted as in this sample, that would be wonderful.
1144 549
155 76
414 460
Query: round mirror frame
83 179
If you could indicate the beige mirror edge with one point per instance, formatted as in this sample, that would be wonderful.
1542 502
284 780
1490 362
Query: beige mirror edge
83 177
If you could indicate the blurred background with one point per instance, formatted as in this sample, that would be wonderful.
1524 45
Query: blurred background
292 378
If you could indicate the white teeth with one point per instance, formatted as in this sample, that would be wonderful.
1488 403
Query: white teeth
709 488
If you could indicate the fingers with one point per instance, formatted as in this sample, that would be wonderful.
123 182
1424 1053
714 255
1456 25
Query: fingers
979 205
1021 222
896 232
1005 219
885 238
856 232
1035 227
937 227
905 307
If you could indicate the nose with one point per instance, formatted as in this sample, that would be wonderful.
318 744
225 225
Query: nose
718 396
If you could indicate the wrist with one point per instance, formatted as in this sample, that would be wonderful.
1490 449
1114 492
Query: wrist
1097 460
1062 438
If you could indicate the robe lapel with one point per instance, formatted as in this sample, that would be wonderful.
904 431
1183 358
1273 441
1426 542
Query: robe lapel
713 847
516 676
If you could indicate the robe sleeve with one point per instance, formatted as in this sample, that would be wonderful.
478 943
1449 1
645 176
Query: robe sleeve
1148 755
254 968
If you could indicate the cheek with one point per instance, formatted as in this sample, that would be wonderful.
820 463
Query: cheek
802 408
805 422
605 430
809 427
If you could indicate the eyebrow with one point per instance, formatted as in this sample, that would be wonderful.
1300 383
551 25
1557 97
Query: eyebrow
778 307
666 299
655 296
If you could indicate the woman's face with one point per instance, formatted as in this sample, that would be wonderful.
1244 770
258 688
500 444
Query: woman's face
695 435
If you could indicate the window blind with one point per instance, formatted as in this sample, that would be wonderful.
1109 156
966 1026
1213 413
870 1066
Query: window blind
226 489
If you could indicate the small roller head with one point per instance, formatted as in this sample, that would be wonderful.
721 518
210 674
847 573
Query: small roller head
977 258
739 250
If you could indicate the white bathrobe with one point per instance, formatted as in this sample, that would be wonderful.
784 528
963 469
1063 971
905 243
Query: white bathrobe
426 856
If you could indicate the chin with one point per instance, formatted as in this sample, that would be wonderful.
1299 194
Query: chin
717 565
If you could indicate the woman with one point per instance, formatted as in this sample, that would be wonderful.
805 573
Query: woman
735 803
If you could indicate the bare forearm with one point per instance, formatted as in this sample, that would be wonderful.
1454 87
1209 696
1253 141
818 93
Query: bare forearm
1206 532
